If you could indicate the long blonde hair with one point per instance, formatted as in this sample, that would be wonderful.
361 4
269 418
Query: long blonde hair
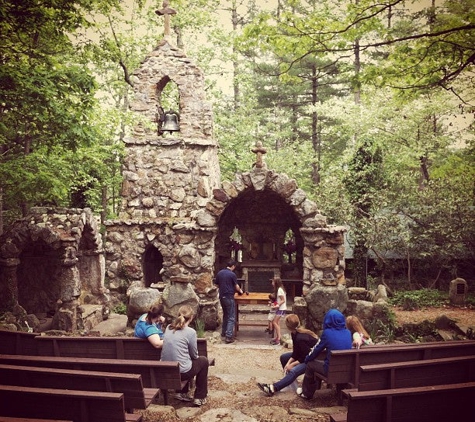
185 314
355 326
292 323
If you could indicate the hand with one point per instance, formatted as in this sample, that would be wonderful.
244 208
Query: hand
240 293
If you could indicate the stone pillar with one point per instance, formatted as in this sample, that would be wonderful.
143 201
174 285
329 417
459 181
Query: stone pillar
9 285
458 291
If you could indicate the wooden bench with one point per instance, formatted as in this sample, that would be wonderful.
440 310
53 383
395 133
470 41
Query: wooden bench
105 347
154 374
18 343
135 395
10 419
344 364
417 373
452 402
75 405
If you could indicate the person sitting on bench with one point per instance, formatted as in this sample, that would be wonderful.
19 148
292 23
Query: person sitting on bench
360 335
180 344
149 326
335 336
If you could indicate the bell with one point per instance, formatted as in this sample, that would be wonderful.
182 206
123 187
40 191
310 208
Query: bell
170 122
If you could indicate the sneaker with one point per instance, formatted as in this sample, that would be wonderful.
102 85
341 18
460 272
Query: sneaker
300 393
275 341
267 388
229 340
183 397
199 402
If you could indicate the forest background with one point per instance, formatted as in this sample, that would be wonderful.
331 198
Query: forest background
368 104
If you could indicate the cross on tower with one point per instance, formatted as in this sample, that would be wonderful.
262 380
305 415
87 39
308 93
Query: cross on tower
166 12
259 150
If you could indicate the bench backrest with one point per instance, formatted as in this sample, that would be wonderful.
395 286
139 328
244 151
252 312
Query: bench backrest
32 376
103 347
78 406
452 402
154 374
18 343
12 419
344 364
417 373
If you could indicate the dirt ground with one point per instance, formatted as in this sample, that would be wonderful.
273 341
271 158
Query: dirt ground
462 315
232 382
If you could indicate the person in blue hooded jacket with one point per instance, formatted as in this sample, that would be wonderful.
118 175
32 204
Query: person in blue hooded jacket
335 336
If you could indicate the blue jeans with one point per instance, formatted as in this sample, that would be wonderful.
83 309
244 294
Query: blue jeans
292 375
229 316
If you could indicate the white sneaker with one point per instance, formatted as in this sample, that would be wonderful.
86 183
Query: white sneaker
300 393
199 402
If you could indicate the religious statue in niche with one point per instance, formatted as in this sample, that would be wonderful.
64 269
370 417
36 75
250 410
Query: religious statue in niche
290 247
236 245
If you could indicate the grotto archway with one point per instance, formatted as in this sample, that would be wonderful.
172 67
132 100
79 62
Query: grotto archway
263 206
52 266
255 230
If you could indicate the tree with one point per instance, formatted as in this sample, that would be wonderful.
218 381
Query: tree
46 99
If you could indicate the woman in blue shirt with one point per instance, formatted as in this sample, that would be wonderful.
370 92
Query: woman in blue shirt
149 326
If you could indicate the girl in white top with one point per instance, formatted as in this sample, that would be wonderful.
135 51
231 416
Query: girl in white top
360 335
281 307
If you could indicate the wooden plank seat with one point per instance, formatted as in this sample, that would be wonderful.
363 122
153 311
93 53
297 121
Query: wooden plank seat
135 395
417 373
451 402
18 343
105 347
344 364
75 405
10 419
154 374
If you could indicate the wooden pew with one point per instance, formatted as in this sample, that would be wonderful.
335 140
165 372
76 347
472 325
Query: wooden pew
417 373
75 405
344 364
452 402
18 343
10 419
105 347
135 395
155 374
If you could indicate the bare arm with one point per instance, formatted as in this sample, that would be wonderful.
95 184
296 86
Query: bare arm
155 341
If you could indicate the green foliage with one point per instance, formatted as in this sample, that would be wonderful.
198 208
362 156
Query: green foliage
383 329
120 309
415 299
200 328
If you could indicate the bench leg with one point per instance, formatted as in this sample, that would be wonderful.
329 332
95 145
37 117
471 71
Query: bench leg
339 393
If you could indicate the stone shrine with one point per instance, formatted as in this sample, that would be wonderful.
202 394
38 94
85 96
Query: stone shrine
178 224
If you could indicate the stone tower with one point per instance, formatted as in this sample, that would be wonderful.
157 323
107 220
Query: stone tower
162 235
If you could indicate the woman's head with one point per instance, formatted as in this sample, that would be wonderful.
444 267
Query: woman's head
292 322
154 313
185 315
334 319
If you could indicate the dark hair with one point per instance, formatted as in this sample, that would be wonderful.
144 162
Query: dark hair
231 263
154 312
277 283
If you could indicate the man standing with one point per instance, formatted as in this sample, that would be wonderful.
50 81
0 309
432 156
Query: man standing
228 284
